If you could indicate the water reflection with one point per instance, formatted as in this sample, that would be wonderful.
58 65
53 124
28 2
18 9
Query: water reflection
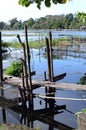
3 109
48 114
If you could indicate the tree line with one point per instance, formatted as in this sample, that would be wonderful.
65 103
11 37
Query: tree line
69 21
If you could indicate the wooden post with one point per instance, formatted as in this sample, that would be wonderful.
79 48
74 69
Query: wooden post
1 78
24 63
50 65
29 69
1 67
46 89
28 58
48 58
51 59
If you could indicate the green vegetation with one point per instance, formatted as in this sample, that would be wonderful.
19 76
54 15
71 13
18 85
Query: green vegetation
14 69
47 3
32 44
82 111
15 127
37 44
69 21
11 44
83 80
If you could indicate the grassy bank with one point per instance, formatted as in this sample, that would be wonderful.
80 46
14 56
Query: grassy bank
16 127
38 44
32 44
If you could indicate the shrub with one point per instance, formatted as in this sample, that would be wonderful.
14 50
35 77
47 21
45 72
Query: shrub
14 69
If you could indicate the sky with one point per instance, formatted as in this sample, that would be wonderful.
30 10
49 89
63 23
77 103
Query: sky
10 9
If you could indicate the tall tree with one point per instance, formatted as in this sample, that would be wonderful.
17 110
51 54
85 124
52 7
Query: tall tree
81 17
12 22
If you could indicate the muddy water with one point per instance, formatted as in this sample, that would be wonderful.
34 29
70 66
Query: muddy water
73 65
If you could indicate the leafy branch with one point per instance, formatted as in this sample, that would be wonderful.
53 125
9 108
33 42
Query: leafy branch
47 3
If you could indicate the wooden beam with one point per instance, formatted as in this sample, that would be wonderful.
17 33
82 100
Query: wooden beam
64 86
59 77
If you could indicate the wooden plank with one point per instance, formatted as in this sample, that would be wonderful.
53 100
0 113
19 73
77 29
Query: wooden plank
33 73
59 77
64 86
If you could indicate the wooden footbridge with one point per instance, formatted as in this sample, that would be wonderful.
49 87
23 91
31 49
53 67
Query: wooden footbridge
26 86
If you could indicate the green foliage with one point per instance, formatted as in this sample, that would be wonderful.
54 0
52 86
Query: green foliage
81 16
12 44
37 44
47 3
68 21
54 42
82 111
14 69
82 80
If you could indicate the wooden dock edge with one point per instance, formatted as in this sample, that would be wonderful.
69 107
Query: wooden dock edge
65 86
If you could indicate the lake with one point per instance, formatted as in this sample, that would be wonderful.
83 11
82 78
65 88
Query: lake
34 35
73 63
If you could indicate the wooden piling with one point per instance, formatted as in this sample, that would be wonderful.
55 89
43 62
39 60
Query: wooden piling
1 67
51 58
1 78
48 58
29 68
50 67
24 64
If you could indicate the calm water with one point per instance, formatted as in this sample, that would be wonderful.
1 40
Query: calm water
74 67
33 35
73 64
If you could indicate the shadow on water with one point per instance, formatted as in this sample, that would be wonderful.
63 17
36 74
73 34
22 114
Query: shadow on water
45 114
22 113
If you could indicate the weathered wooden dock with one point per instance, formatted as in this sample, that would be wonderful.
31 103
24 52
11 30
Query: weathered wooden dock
65 86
